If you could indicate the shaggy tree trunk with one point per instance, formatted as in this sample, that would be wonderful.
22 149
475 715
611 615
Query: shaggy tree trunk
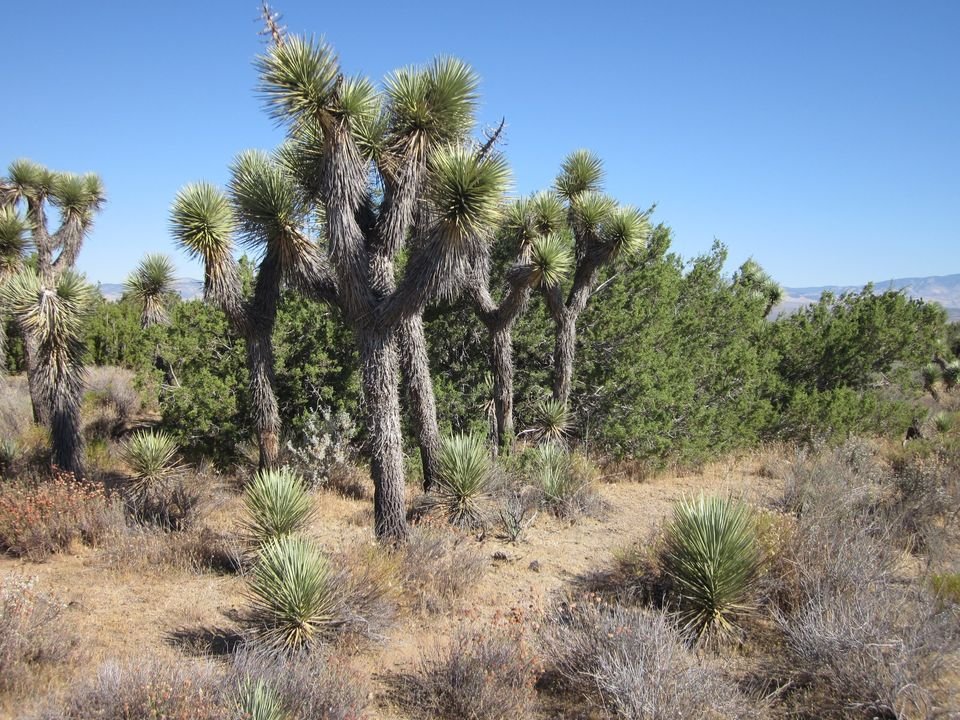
501 362
65 429
266 413
380 373
563 356
423 407
41 405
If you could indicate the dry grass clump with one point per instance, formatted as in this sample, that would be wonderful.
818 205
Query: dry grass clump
148 689
474 675
437 566
567 482
38 518
152 550
111 401
634 664
32 633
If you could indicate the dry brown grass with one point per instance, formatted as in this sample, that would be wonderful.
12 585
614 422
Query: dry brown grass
437 566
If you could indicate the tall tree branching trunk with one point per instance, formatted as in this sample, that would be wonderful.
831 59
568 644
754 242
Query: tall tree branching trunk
415 362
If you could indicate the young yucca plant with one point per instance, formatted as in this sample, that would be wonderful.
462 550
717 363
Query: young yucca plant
464 479
257 700
930 374
151 285
277 504
295 596
943 422
553 421
152 459
554 472
951 374
712 556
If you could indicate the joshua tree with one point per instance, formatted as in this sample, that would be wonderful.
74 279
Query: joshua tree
151 285
14 243
389 169
51 318
602 230
755 280
542 258
77 198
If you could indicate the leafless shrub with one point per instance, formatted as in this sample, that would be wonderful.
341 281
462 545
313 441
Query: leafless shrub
634 664
112 401
437 565
32 633
475 675
15 409
145 550
517 512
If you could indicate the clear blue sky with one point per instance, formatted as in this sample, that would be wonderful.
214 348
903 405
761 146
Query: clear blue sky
822 138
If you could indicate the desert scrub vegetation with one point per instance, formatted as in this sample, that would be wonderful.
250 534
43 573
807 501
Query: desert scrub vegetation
43 516
276 503
157 491
438 566
111 401
634 663
33 633
483 675
463 480
566 481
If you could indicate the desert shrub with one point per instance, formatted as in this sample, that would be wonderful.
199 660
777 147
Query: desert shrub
32 633
554 421
257 700
463 481
148 689
712 557
517 512
634 663
311 686
112 399
951 374
475 675
157 491
277 504
946 586
566 481
322 449
437 566
153 550
40 518
943 422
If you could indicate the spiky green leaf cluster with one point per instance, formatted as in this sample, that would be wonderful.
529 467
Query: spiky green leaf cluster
29 179
466 190
548 213
626 230
553 421
294 596
554 472
14 240
258 700
713 558
581 172
54 315
268 205
463 479
151 456
277 504
592 211
202 222
552 260
77 195
151 285
298 79
951 374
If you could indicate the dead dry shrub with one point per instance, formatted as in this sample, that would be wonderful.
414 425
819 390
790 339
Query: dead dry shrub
309 686
148 689
485 676
145 550
438 565
111 401
32 632
41 517
633 663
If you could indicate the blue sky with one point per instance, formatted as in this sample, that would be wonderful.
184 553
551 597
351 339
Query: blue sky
821 138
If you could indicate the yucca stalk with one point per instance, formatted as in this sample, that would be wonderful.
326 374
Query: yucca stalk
712 557
151 457
464 479
151 286
257 700
52 318
277 504
294 596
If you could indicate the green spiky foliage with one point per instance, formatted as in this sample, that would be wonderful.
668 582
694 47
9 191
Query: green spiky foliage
14 241
552 260
151 457
257 700
552 466
951 374
930 374
943 422
553 421
752 278
53 317
464 480
151 286
277 504
712 557
294 596
581 172
202 222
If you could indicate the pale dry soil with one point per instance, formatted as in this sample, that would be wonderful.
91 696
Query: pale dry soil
124 615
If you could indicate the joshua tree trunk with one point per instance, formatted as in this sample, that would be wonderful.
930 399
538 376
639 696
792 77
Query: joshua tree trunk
501 362
563 356
378 357
423 407
41 407
65 427
266 414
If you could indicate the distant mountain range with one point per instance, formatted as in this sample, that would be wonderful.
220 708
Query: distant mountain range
944 289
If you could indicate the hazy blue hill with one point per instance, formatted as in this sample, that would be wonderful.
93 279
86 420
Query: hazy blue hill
188 289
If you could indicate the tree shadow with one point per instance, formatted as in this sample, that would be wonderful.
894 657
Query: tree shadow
205 641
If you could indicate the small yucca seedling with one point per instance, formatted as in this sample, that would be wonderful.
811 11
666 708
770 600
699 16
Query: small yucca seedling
295 597
713 558
554 472
463 479
257 700
553 421
943 422
277 504
152 459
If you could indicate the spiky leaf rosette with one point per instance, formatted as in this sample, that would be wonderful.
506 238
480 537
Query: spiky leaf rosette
553 421
257 700
591 212
29 179
151 285
625 230
552 466
294 596
581 172
551 259
930 373
712 557
466 190
277 504
77 196
549 213
756 281
463 479
14 240
517 225
298 79
951 374
151 456
54 315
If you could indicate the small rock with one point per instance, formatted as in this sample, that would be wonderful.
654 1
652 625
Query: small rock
535 566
